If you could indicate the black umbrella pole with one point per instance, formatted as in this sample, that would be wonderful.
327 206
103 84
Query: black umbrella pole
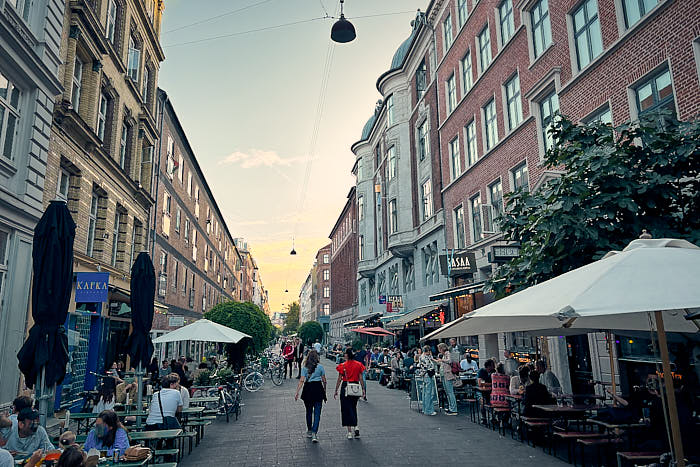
43 396
139 394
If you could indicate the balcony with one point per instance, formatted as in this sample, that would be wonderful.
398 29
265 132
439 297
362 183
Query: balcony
434 222
366 267
401 244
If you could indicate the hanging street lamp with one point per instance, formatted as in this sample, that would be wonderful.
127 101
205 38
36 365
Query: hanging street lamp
343 31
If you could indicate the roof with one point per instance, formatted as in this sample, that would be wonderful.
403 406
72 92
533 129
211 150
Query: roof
367 129
401 321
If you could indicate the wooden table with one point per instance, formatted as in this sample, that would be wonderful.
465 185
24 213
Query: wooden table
127 463
154 435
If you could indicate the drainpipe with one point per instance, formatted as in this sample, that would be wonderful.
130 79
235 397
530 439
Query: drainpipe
152 225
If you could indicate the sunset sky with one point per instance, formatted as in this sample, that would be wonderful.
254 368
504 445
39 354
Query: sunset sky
248 101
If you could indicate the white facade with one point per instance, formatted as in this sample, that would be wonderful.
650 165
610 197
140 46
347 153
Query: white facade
306 309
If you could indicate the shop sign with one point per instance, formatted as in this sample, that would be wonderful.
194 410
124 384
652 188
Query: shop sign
458 263
176 321
395 300
503 253
91 287
382 299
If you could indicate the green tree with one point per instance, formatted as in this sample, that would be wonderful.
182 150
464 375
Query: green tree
310 332
612 189
245 317
292 323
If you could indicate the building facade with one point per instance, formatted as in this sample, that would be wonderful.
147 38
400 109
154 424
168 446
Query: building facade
30 56
306 307
197 263
400 217
321 283
100 162
343 283
247 271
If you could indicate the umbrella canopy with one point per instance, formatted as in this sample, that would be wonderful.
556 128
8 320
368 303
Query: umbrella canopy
203 330
613 293
143 286
52 262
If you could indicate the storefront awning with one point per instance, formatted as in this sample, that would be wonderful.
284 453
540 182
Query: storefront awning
457 291
366 331
357 322
404 319
374 330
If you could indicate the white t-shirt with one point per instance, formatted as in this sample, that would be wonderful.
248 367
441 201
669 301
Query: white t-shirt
172 399
185 394
317 347
6 459
102 405
466 366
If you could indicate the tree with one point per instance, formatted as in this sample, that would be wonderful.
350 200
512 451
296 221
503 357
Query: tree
292 322
245 317
613 187
310 332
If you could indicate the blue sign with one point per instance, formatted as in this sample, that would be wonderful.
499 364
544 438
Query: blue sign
382 299
91 287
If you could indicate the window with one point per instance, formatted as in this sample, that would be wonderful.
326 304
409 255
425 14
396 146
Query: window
377 157
189 184
175 271
589 43
360 207
447 32
655 93
187 230
467 80
144 84
393 217
22 7
178 215
520 178
475 203
390 110
423 141
326 275
9 115
549 107
361 247
77 81
602 115
427 199
134 61
326 292
116 237
326 309
460 241
326 258
360 175
455 163
635 9
513 102
180 168
392 163
111 20
541 29
461 12
135 238
505 17
472 152
123 146
102 116
485 48
496 198
490 124
421 80
63 184
92 224
4 253
451 91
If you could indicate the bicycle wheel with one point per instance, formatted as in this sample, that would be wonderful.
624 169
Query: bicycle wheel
253 382
275 376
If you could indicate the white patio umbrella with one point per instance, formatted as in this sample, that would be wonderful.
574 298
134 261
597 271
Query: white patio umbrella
622 291
203 330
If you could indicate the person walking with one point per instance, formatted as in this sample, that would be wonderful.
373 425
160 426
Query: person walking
288 355
448 378
427 366
298 354
313 381
350 375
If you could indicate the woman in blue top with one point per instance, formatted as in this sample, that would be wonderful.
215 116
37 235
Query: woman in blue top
313 379
107 435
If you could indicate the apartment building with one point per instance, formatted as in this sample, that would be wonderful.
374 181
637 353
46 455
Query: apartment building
321 296
343 268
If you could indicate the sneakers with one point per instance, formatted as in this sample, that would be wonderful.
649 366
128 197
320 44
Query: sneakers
357 432
447 412
309 434
432 414
350 436
314 438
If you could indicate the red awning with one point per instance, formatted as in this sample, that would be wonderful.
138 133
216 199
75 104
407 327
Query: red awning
366 331
375 331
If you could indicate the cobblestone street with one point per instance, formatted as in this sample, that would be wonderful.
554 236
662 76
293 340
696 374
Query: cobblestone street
272 431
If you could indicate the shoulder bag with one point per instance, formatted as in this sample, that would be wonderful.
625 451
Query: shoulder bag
352 389
169 423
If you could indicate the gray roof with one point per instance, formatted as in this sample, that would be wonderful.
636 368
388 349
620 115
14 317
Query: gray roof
367 129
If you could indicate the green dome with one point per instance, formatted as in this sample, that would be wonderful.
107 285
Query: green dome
367 129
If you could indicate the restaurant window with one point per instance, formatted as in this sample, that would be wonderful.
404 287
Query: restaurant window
455 163
589 43
9 115
541 29
472 150
460 241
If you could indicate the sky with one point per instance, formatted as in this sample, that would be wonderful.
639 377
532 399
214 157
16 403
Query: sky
247 87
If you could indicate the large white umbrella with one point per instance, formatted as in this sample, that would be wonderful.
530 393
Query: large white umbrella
650 284
203 330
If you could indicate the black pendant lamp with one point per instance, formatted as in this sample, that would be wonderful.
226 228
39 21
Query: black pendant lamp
343 31
293 252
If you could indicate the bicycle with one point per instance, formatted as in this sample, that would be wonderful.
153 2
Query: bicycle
254 380
274 367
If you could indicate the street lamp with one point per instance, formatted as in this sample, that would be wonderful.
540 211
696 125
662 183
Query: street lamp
343 31
293 252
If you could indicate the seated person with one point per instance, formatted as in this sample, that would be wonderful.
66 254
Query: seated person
123 389
107 395
409 364
535 394
107 435
468 364
66 440
519 381
548 378
8 423
164 403
29 435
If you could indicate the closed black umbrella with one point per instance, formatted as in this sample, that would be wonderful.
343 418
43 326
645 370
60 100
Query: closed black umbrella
143 286
46 346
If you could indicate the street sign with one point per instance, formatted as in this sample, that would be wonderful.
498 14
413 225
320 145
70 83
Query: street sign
176 321
503 253
91 287
382 299
458 263
395 300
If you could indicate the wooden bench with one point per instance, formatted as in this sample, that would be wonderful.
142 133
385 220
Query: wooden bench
570 437
641 457
598 443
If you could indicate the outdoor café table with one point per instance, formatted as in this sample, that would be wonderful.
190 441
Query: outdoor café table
126 463
616 428
83 417
156 435
516 400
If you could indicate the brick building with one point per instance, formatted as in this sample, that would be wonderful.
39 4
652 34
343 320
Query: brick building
247 271
197 262
321 283
100 161
30 40
344 249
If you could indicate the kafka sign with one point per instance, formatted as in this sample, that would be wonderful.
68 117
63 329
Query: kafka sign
457 263
91 287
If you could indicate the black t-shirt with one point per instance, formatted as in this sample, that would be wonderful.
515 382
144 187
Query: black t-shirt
360 356
484 375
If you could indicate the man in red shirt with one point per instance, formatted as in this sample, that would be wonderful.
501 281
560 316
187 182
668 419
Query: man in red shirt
288 355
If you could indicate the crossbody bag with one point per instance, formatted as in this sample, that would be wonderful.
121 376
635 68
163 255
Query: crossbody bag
352 389
169 422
